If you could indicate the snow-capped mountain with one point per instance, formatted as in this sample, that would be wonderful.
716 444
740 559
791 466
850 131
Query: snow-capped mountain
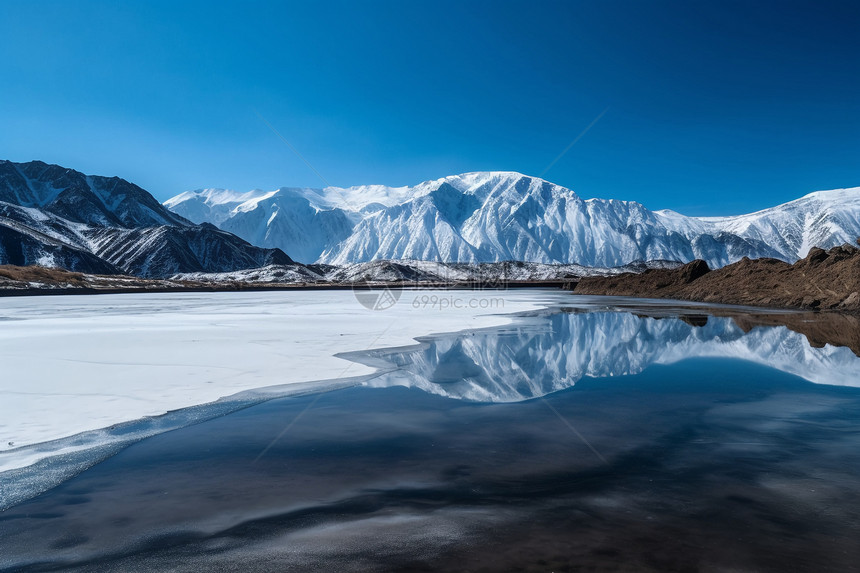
58 217
54 216
22 246
497 216
822 219
92 200
301 222
160 252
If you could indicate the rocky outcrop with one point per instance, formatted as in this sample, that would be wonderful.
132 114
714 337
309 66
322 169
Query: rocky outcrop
823 280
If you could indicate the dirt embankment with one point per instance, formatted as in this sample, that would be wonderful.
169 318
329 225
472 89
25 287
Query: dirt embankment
820 328
38 281
35 278
824 280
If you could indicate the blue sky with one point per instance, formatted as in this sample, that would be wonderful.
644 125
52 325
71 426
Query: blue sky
711 107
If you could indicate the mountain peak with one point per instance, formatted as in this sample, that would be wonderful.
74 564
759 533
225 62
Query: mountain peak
88 199
483 176
848 193
487 216
55 216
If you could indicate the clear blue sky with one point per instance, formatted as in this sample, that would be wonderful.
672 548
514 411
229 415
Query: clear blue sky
713 107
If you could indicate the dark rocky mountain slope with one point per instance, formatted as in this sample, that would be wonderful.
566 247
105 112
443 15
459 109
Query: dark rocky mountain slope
58 217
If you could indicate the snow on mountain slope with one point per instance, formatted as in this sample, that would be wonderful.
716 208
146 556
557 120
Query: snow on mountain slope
19 246
822 219
209 205
44 226
157 252
28 236
212 205
485 274
290 222
284 274
58 217
93 200
301 222
497 216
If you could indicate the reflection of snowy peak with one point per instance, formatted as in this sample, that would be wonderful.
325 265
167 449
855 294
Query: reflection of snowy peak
496 216
527 361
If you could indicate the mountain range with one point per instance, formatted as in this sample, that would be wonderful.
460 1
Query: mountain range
499 216
57 217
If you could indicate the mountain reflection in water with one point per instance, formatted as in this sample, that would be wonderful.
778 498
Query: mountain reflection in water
545 355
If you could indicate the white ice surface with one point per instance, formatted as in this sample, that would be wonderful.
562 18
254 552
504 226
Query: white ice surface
76 363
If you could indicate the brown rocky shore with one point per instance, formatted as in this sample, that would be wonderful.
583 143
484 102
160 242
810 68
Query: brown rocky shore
824 280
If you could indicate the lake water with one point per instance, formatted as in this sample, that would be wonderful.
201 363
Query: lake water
578 438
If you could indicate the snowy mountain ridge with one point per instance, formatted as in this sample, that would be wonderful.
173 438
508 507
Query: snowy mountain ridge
409 271
819 218
54 216
58 217
87 199
496 216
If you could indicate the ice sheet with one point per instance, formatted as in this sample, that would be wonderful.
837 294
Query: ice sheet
73 364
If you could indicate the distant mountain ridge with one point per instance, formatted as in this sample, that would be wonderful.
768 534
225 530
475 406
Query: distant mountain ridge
498 216
58 217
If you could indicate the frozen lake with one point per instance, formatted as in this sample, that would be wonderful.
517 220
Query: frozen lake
584 433
73 364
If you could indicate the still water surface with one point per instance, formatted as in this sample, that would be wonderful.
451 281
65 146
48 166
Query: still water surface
575 439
